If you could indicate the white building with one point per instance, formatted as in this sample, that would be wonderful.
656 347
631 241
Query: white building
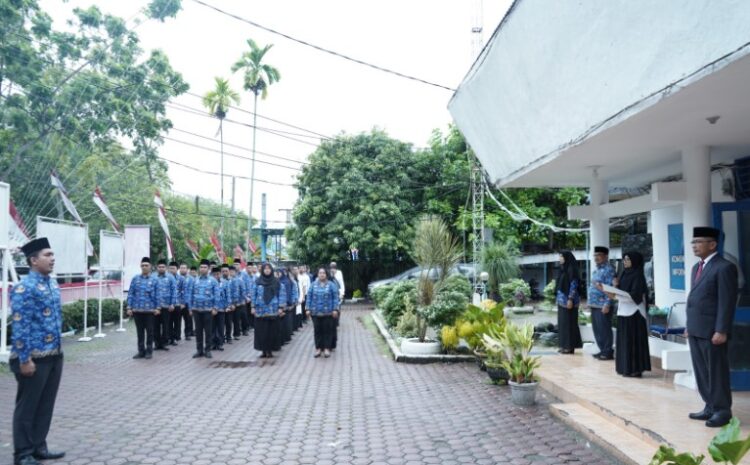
625 93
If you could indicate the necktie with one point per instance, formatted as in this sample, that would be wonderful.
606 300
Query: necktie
700 271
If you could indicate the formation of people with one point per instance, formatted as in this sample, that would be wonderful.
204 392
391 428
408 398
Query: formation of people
711 305
220 304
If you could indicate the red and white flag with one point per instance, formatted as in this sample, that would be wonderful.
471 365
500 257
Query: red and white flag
17 232
55 179
251 246
163 222
99 201
238 252
217 248
193 247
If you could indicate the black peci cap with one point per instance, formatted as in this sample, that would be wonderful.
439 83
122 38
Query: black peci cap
601 249
701 231
36 245
205 262
145 260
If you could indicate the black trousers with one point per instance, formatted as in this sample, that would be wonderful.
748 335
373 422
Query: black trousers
218 324
203 330
237 324
711 367
602 325
144 330
244 313
336 330
250 316
175 323
228 325
35 402
162 328
325 328
188 321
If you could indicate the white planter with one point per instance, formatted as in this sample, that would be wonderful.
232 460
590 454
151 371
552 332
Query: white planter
412 346
525 310
523 394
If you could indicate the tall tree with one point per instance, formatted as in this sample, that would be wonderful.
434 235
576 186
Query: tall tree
257 78
218 102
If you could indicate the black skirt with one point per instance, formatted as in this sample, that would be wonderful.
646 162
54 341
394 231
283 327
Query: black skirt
567 327
267 334
631 352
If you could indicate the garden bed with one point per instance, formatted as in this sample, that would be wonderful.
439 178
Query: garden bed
399 356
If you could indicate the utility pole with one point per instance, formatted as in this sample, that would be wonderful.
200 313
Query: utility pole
477 216
477 36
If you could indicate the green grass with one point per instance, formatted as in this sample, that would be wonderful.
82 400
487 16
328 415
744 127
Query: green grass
368 322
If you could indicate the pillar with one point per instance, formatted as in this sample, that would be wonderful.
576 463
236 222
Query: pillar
598 223
696 210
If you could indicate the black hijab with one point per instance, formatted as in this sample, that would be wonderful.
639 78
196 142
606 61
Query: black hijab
633 279
568 272
270 283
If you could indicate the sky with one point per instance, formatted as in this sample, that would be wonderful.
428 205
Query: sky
429 39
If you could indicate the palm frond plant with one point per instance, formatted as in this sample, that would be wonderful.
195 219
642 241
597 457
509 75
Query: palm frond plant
499 260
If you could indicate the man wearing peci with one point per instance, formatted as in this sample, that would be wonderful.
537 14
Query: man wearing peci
36 354
710 312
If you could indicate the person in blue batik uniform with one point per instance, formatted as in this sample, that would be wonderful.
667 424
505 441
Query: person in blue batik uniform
248 275
229 292
187 315
36 357
202 295
268 296
600 303
222 304
238 299
142 306
175 320
322 306
287 327
166 298
568 299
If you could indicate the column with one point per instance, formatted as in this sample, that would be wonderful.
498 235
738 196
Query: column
696 211
598 223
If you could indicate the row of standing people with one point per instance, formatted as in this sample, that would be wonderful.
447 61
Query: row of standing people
220 304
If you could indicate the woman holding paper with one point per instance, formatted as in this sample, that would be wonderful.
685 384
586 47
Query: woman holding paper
568 299
632 357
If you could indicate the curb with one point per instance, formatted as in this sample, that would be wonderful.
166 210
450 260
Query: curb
400 357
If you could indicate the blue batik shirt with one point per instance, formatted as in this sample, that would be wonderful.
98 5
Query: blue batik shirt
572 294
180 288
142 294
36 315
203 293
322 299
166 290
238 290
604 274
293 296
271 308
224 299
249 282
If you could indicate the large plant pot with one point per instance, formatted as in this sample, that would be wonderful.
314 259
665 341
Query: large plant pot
525 310
497 374
412 346
523 394
480 358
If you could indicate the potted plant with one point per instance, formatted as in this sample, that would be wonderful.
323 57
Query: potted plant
474 323
495 356
436 251
516 341
516 293
357 296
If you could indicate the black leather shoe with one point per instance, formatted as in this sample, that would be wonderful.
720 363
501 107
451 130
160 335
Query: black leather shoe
148 355
605 357
27 460
139 355
718 420
198 354
208 355
48 455
703 415
597 355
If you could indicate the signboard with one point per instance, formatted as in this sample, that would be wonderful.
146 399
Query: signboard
137 246
676 257
110 251
69 241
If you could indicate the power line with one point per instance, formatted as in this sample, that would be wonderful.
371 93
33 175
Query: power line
214 173
228 153
322 49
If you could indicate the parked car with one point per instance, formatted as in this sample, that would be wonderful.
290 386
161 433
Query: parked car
464 269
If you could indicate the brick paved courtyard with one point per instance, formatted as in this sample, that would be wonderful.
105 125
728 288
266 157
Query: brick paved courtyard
358 407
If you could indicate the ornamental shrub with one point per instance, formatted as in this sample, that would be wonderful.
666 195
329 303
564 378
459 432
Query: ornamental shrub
393 306
72 313
380 293
449 337
515 292
407 324
456 283
549 292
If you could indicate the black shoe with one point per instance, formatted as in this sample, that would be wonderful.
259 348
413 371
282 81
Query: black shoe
718 420
27 460
605 357
139 355
208 355
236 338
198 354
228 341
703 415
220 348
148 356
173 343
162 348
595 355
48 455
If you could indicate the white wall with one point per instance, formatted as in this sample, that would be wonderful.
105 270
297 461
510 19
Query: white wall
552 72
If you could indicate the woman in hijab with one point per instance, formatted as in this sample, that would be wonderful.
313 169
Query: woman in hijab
568 299
267 309
322 305
632 357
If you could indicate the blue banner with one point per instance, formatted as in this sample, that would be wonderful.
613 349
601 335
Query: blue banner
676 257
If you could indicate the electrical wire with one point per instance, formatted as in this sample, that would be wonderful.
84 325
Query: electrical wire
229 154
322 49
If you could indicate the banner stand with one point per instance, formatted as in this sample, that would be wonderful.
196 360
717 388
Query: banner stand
121 329
4 353
101 286
85 337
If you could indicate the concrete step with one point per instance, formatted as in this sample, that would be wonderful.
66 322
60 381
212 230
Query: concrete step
627 448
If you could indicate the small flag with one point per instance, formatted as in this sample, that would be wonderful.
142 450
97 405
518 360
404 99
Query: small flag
17 231
99 201
163 221
251 246
55 179
217 248
193 247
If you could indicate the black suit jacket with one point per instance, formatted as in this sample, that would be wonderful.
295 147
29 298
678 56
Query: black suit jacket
713 299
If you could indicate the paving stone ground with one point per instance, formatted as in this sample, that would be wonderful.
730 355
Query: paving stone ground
358 407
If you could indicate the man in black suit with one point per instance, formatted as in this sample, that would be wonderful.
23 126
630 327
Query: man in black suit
710 313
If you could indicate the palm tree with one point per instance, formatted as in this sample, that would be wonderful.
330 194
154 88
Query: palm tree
258 77
218 101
